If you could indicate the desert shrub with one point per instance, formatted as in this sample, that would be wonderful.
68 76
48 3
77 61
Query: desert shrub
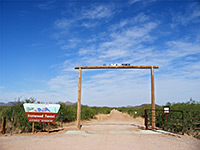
67 112
87 112
102 110
191 111
20 120
131 110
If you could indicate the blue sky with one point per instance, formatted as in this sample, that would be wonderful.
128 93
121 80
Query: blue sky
42 42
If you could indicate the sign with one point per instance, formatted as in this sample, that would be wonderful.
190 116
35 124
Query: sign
41 112
166 109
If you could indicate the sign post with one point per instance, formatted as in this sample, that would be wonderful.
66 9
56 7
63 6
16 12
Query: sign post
41 113
32 127
166 111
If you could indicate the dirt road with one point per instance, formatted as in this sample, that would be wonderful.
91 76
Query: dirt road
115 131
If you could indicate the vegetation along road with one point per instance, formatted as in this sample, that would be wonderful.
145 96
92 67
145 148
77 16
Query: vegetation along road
113 131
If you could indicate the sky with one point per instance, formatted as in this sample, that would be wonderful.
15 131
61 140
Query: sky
42 41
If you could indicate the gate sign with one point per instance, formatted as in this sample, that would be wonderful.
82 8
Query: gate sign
41 112
166 109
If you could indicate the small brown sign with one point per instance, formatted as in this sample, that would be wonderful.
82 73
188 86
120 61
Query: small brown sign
166 109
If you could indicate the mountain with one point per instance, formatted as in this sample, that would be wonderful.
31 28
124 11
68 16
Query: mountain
8 104
2 104
141 105
69 103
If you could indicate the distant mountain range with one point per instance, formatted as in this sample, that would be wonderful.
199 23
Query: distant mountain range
8 104
69 103
66 103
14 103
141 105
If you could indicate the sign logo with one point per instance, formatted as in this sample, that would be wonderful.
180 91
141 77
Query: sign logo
41 112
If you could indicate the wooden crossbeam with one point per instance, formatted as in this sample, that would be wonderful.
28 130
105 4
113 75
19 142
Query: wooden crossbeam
116 67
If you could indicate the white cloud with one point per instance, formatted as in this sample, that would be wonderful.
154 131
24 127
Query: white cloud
97 12
180 49
141 3
90 24
87 17
47 5
134 1
63 23
123 44
61 82
190 15
69 44
89 51
114 54
141 18
2 87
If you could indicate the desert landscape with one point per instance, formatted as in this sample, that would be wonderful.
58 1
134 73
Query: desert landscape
100 74
113 131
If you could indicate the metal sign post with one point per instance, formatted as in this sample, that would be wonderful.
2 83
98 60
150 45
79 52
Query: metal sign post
166 111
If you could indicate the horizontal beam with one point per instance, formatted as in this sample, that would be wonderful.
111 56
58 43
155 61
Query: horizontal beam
116 67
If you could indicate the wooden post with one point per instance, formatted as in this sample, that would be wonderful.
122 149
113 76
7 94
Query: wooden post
183 123
146 119
32 127
79 100
159 120
48 127
3 125
162 118
28 128
12 122
152 99
166 125
61 119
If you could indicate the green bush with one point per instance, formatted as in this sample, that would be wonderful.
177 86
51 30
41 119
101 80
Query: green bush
191 110
68 112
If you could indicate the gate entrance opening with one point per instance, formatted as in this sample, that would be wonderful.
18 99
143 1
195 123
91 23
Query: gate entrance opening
116 67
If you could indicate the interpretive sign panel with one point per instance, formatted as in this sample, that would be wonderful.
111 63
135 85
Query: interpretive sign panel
41 112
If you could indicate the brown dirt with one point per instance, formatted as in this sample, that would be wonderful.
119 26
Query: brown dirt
114 131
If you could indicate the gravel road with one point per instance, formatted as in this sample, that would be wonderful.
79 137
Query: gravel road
116 131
